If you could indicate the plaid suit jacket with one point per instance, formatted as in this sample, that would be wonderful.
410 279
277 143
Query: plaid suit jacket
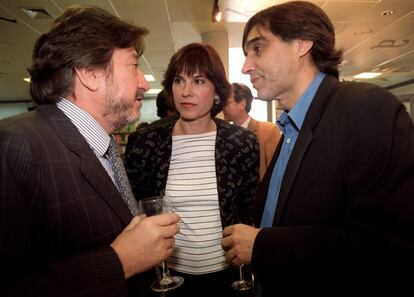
59 211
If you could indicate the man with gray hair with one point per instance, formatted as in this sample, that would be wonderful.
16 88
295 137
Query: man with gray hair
68 219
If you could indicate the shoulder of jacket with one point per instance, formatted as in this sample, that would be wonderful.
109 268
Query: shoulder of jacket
364 93
359 88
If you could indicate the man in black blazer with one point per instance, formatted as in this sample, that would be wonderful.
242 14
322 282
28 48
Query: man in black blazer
335 211
65 229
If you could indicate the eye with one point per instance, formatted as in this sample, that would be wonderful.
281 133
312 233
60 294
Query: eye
178 80
257 49
199 81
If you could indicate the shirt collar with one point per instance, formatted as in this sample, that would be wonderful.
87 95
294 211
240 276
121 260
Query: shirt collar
89 128
246 122
298 112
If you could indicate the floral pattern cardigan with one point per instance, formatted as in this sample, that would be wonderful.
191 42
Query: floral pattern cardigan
147 162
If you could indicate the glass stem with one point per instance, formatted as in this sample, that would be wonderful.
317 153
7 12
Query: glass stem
165 270
241 273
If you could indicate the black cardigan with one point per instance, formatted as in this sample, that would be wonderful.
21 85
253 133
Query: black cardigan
147 161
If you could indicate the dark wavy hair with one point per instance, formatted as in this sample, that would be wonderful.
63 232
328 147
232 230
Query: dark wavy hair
243 92
301 20
204 59
82 37
164 103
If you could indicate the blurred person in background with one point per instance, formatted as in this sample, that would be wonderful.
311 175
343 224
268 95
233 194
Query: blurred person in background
165 110
165 104
237 111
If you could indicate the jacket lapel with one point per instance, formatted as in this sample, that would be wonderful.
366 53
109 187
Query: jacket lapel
261 194
302 144
91 168
252 127
303 141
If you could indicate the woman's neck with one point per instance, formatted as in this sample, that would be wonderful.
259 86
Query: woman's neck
185 127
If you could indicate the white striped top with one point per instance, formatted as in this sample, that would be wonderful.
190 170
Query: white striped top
192 188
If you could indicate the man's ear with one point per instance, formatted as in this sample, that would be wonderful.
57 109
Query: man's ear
242 104
90 78
304 46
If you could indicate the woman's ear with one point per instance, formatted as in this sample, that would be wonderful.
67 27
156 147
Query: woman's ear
90 78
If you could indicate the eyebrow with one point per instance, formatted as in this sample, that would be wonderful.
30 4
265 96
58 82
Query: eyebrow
254 40
193 77
134 56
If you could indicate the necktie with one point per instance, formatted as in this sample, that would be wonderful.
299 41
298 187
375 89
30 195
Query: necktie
120 176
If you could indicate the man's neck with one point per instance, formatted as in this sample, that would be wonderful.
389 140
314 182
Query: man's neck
90 106
243 117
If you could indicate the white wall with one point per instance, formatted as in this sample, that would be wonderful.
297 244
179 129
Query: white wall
11 109
148 111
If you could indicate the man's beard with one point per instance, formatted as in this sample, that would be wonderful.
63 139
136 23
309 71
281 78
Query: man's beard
118 110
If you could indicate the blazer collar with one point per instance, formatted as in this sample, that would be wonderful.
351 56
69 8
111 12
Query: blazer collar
253 126
91 168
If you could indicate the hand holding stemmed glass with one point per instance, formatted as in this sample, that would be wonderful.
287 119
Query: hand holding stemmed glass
150 207
237 243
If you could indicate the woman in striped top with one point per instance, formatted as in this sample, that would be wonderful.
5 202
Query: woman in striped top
207 167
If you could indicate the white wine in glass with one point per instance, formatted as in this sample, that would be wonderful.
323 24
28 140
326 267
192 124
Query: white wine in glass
154 206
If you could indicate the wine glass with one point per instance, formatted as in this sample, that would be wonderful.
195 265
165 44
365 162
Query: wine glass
154 206
241 284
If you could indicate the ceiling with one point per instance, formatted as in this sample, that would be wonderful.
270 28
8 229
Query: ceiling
371 41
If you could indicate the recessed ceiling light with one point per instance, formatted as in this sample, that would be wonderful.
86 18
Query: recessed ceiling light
216 14
153 91
37 13
149 77
367 75
26 79
387 12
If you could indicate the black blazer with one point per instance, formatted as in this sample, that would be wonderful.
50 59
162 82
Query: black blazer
59 211
344 224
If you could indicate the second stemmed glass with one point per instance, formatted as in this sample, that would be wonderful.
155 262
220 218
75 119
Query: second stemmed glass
241 284
154 206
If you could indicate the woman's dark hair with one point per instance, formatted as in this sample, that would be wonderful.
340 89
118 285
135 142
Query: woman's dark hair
301 20
243 92
82 37
202 59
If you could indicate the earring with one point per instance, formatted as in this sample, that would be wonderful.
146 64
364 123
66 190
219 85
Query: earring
216 99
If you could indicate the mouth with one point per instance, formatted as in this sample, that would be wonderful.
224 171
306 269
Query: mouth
139 96
187 104
254 80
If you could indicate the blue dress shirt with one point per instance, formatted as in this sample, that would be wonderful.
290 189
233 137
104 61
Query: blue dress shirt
290 124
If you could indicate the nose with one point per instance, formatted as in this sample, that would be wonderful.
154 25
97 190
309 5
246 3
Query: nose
248 65
142 82
186 89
